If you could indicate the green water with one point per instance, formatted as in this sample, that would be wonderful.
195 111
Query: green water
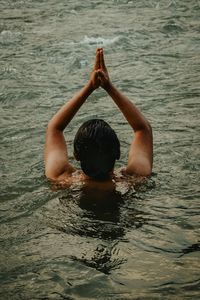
141 244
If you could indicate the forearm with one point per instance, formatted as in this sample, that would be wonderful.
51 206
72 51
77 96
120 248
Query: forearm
65 114
134 117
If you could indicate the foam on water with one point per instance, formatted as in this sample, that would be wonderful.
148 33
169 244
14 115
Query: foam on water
99 41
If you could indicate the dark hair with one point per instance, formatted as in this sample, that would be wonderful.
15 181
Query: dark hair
97 147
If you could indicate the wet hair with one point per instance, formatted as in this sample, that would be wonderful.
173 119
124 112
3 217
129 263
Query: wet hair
97 147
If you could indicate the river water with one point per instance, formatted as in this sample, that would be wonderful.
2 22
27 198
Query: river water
138 244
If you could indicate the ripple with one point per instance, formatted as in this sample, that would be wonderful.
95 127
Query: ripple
8 37
141 243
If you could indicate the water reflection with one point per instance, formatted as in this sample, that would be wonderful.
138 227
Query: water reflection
104 258
104 216
102 204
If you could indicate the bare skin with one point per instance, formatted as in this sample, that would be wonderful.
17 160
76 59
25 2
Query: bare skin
140 158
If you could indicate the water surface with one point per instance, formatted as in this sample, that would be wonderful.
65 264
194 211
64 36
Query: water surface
138 244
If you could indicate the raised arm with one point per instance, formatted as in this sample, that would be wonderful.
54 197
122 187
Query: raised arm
56 158
140 158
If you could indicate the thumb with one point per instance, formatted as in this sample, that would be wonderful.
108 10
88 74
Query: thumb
95 74
100 73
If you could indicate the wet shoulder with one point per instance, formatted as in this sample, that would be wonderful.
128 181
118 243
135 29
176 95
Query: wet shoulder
120 181
124 182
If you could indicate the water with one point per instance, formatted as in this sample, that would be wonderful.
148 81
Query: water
140 244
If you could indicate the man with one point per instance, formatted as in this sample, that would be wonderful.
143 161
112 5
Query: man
96 145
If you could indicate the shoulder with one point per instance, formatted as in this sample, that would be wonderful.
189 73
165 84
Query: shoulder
122 175
69 178
58 175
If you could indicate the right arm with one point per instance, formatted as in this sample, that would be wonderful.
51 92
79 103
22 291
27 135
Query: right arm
140 159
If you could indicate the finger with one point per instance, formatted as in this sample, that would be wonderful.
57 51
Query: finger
102 62
97 61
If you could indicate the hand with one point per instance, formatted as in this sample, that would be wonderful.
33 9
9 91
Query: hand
94 79
102 72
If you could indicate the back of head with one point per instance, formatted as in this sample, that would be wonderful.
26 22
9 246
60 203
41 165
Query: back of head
97 147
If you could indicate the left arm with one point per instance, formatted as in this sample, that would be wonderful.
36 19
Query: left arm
140 159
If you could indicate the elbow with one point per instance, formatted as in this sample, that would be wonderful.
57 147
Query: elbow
52 126
148 127
145 127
